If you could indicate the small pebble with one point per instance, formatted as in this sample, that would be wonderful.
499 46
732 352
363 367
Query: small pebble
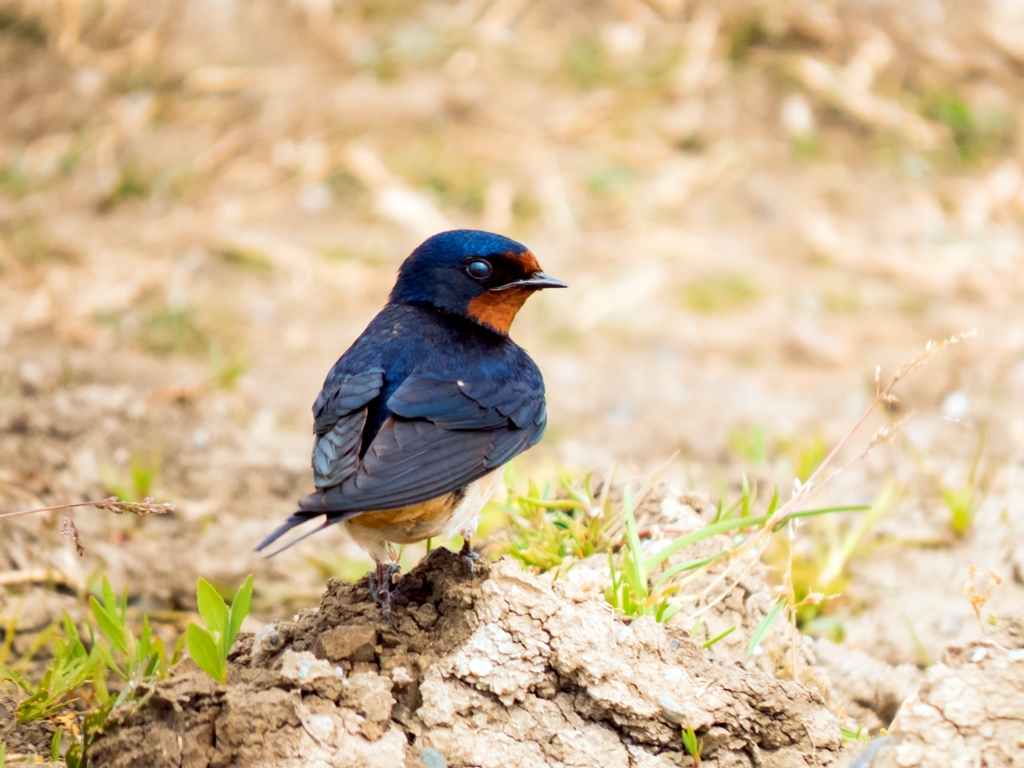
978 655
201 438
669 704
480 667
431 758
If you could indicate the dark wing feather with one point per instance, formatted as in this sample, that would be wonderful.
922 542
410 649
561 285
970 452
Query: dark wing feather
443 402
344 393
339 416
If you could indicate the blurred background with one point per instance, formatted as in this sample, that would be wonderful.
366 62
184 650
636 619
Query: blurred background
203 202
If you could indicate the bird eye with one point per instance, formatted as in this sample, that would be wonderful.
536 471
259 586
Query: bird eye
479 269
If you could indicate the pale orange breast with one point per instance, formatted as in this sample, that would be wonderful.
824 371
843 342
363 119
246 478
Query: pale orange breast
445 515
440 508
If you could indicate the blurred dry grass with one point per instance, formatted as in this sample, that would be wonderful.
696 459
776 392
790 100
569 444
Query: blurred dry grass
203 202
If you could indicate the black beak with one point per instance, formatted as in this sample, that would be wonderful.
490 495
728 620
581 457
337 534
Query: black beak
536 281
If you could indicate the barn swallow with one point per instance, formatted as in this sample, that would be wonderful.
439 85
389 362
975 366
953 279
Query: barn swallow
417 418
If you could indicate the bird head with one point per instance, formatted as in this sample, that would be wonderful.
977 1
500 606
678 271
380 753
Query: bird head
481 276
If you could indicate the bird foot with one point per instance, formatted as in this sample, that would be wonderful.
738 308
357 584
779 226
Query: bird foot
383 586
469 557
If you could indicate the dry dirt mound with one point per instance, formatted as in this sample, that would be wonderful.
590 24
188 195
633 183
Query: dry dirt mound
968 711
497 669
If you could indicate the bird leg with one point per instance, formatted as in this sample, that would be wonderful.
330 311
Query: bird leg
382 587
468 555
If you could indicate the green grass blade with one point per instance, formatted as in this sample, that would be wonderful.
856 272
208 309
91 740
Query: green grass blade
721 636
178 646
818 512
689 565
109 626
145 644
745 499
203 650
723 526
762 629
732 524
109 601
634 568
666 610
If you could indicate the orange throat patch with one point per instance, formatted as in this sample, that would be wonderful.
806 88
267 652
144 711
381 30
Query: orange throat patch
498 310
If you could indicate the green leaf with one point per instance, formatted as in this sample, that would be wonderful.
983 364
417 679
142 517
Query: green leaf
212 608
106 660
108 625
99 686
54 745
203 650
239 610
692 744
762 629
70 630
858 735
156 666
3 753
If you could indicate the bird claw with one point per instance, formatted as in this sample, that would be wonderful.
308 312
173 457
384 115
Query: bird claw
382 587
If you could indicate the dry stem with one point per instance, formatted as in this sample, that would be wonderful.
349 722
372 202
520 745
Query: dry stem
68 528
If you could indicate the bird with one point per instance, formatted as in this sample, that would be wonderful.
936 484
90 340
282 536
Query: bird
417 418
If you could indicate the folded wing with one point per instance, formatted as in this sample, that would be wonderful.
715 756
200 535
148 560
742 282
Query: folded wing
441 436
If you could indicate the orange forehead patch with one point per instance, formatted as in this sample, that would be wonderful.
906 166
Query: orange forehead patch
498 310
528 260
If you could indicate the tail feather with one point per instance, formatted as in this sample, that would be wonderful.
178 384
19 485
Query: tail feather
296 519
